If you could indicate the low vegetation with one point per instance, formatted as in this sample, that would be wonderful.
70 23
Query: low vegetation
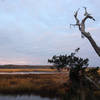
45 85
27 70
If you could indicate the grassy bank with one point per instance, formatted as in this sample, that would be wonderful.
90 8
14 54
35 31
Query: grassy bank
27 70
50 85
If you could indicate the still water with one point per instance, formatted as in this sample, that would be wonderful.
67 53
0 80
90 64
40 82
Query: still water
24 97
27 72
31 72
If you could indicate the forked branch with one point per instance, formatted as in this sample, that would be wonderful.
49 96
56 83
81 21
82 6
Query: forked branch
81 26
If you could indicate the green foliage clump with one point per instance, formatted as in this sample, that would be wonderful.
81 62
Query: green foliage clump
76 64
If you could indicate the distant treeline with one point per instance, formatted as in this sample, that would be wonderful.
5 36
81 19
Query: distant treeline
29 67
25 66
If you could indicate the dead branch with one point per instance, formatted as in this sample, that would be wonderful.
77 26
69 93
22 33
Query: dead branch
91 81
81 26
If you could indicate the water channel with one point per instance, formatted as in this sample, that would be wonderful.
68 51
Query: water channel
24 97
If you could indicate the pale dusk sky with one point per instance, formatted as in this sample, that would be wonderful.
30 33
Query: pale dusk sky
32 31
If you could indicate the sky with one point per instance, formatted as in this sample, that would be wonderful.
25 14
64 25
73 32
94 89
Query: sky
32 31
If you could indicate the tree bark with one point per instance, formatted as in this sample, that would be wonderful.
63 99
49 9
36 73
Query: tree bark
94 45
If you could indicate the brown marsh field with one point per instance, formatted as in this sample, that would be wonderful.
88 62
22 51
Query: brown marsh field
27 70
49 84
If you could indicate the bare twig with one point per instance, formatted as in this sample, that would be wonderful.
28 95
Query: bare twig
91 81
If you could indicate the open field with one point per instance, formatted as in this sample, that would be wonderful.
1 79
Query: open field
52 85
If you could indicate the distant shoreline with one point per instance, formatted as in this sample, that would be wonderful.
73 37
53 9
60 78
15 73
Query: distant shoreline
11 66
25 66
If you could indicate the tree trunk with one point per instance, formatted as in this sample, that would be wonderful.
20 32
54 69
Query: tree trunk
94 45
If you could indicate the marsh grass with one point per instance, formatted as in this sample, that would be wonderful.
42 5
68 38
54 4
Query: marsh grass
27 70
47 85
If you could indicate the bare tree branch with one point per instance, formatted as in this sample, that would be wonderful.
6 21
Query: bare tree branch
91 81
77 20
87 16
81 26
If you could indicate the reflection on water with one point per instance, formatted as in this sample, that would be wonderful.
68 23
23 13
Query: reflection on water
31 97
29 72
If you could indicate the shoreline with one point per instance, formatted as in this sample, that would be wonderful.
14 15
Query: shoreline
35 72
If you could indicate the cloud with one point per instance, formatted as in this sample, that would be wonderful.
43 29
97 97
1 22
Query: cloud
31 31
21 61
